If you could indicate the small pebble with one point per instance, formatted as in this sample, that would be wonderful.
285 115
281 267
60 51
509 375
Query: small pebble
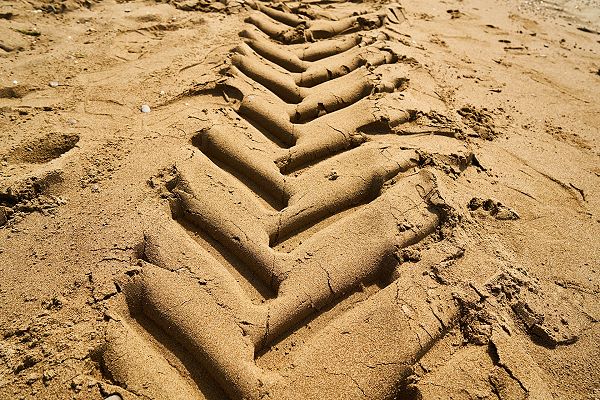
95 188
145 108
15 82
114 397
54 84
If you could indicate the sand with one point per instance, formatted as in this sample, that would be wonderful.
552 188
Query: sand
299 200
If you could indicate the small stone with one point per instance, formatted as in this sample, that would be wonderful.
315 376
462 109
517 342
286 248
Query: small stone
114 396
95 188
54 84
145 108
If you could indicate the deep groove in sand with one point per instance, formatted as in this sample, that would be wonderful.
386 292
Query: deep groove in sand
253 286
324 220
226 164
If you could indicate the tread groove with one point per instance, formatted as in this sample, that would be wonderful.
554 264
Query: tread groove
275 201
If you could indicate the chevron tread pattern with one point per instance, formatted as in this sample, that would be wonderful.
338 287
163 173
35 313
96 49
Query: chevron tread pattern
301 200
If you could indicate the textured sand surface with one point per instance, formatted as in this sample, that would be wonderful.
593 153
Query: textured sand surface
299 200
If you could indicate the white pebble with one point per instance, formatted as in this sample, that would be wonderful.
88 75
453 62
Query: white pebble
145 108
54 84
114 397
15 82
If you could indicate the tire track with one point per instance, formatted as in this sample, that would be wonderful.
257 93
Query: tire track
354 201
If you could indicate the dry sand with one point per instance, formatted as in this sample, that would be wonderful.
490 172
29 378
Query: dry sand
317 200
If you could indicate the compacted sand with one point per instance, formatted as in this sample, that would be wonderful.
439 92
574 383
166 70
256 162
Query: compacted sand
299 200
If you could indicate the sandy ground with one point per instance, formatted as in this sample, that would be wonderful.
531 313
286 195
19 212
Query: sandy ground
509 92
